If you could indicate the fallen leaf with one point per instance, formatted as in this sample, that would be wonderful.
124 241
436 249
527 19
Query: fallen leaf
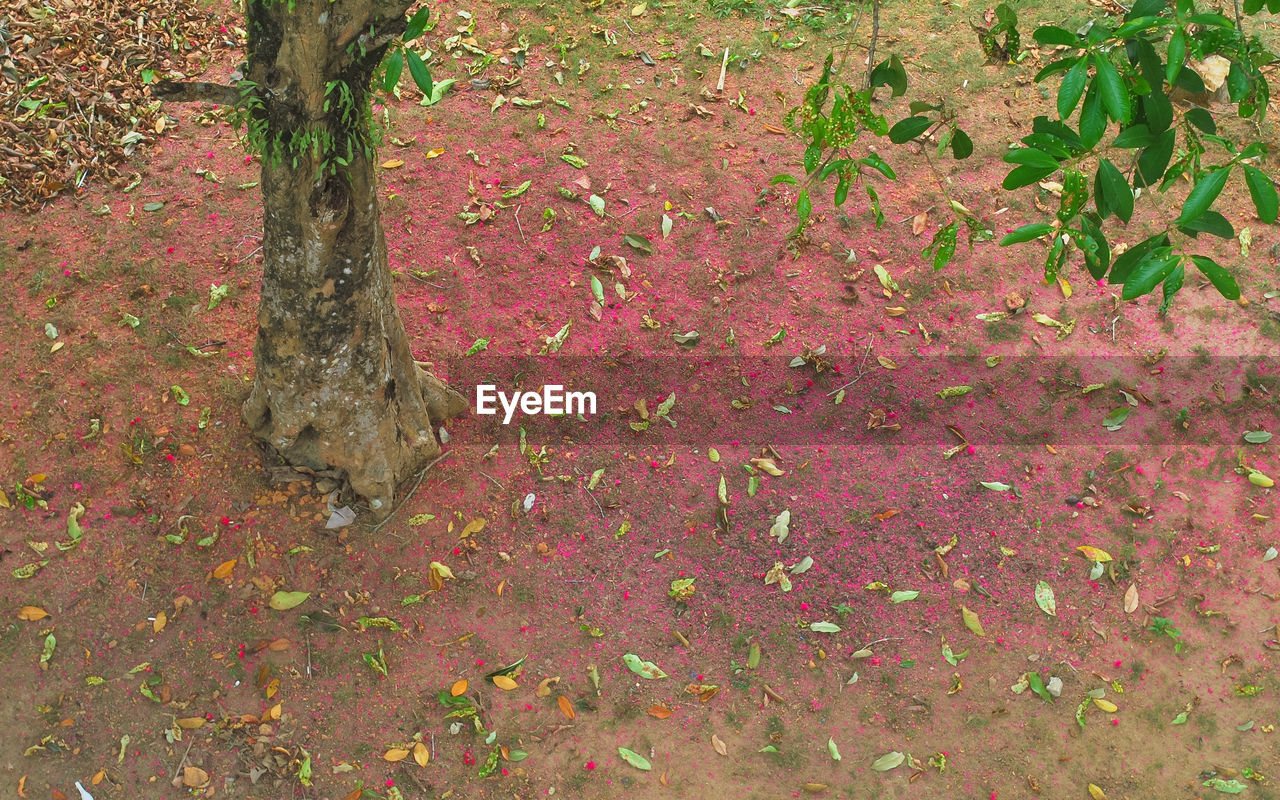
32 613
659 711
473 527
645 669
458 688
194 777
283 601
395 754
1096 792
504 683
1131 599
159 622
421 754
1045 599
971 621
566 707
190 723
635 759
719 745
888 761
1105 705
1094 554
435 152
224 569
393 163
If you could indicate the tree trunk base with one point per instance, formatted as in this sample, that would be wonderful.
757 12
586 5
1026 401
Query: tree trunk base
348 441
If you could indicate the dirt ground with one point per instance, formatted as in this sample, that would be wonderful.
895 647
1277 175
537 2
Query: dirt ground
143 542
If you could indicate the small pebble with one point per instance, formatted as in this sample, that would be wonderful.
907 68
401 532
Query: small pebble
1072 500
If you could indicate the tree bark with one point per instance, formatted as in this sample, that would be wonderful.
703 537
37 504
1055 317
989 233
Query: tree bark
336 386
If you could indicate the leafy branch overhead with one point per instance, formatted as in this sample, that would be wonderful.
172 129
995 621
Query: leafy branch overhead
1126 75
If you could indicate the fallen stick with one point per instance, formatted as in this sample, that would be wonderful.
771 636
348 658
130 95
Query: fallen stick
723 64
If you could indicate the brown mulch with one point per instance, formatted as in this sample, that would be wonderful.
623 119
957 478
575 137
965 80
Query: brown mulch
73 75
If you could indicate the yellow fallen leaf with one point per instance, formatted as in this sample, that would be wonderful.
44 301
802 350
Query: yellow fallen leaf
224 569
719 745
393 163
458 688
97 777
421 754
274 712
32 613
504 683
1105 705
435 153
886 362
395 754
1094 554
474 526
191 723
1096 792
159 622
639 9
1065 286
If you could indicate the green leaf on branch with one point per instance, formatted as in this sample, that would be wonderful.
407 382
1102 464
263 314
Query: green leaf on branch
1115 96
1026 233
1263 192
907 129
891 73
1218 276
1203 194
395 66
421 75
1149 273
943 245
1072 88
1112 194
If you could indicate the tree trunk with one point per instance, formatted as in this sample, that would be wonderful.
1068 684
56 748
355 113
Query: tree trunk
336 387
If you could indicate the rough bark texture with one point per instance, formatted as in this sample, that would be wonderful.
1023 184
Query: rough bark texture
336 386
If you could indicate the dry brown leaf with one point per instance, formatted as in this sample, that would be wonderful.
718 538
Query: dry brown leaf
194 777
32 613
278 645
895 311
663 779
458 688
918 223
191 723
473 527
1131 599
395 754
356 793
159 622
886 514
719 745
421 754
504 683
544 688
22 787
886 362
97 777
659 711
814 788
566 707
274 712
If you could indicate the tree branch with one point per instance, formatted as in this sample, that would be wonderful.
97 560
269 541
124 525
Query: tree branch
196 91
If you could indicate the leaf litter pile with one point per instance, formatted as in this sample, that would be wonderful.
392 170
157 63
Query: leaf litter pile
680 595
72 82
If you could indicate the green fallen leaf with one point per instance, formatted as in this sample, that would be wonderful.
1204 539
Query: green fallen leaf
47 653
640 244
180 395
824 627
971 621
635 759
283 601
480 344
1115 419
1232 786
516 192
888 761
1257 437
832 749
903 596
1045 599
217 294
573 160
645 669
